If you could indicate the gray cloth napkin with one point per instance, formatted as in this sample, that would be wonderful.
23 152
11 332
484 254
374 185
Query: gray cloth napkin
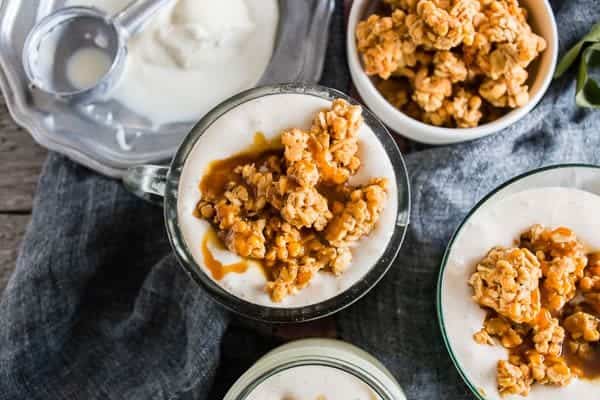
98 308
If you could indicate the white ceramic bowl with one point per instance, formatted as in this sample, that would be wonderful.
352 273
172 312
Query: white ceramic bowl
541 18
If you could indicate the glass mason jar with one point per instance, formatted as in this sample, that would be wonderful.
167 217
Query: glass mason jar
355 365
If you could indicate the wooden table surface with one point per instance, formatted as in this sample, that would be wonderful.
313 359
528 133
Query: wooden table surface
21 160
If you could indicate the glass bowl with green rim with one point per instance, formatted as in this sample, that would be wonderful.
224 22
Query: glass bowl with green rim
453 285
160 184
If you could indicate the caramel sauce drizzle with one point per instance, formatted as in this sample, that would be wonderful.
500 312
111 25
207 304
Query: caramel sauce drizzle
220 172
217 269
584 367
213 184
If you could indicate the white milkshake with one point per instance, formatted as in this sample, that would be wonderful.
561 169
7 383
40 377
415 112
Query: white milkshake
233 133
313 382
500 223
316 369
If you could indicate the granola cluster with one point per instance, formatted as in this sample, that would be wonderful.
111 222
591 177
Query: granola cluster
449 62
293 209
543 303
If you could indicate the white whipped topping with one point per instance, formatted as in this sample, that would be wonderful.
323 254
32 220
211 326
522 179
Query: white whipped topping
193 54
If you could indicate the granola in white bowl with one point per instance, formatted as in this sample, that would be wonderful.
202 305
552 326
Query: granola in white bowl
447 71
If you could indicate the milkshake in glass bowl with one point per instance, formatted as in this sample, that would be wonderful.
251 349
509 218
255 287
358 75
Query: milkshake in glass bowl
554 205
256 119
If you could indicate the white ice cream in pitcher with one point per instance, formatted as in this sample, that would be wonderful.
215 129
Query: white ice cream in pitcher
235 132
313 382
190 56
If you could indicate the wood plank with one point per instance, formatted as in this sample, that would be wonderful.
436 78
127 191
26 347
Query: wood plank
21 160
12 229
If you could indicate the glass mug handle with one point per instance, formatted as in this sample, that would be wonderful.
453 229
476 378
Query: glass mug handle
147 182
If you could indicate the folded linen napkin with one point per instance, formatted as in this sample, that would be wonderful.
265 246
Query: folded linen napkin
98 308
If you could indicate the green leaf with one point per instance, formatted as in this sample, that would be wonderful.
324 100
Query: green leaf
568 59
593 36
588 90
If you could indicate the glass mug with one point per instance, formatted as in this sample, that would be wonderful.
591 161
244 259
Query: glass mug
159 184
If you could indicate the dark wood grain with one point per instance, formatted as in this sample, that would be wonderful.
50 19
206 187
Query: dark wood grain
20 164
21 161
12 229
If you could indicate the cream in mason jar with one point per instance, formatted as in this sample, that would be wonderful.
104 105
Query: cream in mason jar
316 369
313 382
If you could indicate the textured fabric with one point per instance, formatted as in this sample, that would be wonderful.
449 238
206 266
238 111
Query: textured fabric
98 309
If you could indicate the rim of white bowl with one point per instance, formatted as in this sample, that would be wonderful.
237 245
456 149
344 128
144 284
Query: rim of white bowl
416 130
444 263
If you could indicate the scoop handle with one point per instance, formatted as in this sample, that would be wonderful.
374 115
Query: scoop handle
133 17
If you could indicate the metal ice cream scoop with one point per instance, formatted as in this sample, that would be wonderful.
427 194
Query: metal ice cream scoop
89 34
